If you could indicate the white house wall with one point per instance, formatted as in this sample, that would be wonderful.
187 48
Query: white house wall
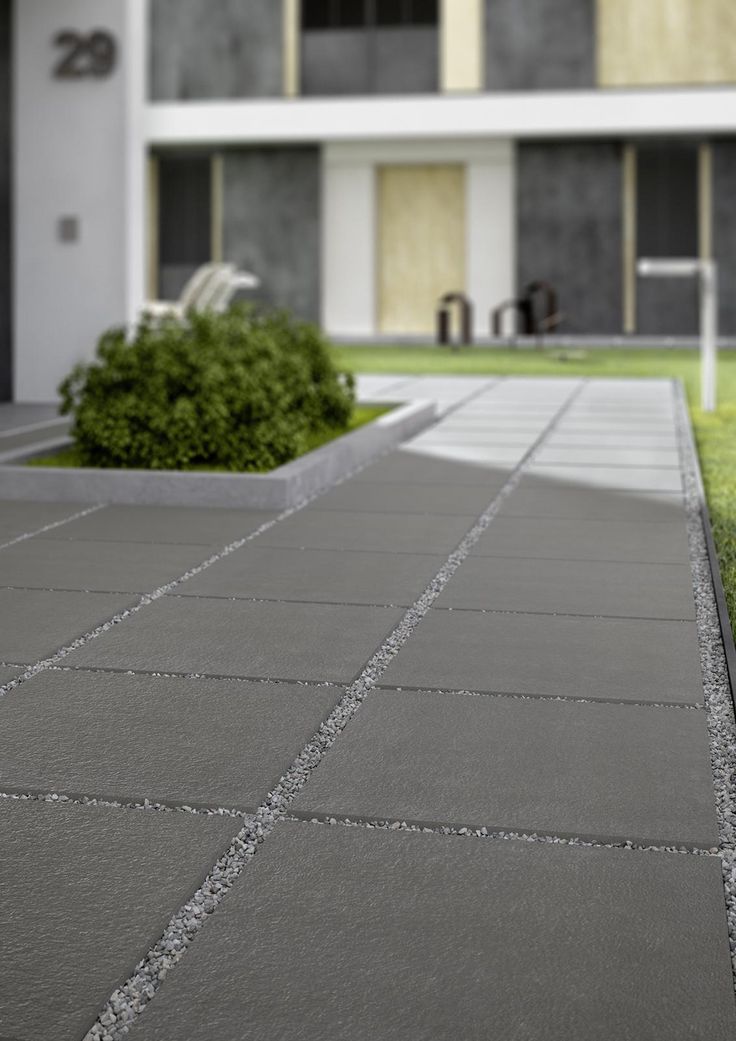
78 153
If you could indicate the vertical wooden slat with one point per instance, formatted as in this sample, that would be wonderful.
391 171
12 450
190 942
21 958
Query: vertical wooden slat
705 201
152 237
628 182
217 190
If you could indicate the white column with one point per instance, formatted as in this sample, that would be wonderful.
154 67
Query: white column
79 171
348 246
491 232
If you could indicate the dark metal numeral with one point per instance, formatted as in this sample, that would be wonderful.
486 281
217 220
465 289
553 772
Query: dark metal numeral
94 55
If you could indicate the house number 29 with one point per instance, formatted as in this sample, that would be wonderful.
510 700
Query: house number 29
91 55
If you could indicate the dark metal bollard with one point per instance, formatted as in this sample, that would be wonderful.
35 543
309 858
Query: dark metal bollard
444 312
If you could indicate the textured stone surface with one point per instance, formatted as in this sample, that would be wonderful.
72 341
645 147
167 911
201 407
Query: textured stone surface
395 936
608 658
586 587
37 623
126 567
316 576
569 224
621 478
390 497
384 532
419 468
536 496
609 772
8 672
571 539
272 224
533 45
239 638
129 738
232 49
168 524
18 518
84 892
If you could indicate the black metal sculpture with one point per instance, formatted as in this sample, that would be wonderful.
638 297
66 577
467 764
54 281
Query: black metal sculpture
444 319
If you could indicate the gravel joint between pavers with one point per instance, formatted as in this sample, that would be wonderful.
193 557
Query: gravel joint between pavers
50 527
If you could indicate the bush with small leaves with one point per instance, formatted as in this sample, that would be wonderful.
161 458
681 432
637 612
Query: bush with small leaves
236 391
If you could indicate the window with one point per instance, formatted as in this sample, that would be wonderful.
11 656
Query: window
355 14
667 201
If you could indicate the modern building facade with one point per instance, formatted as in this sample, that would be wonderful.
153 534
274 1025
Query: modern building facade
362 157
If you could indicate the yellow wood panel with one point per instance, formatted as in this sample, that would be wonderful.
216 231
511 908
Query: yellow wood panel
291 15
462 45
421 243
650 42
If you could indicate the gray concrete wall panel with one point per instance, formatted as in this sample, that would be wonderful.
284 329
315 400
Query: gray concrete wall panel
724 230
215 49
569 229
391 60
540 44
5 205
272 224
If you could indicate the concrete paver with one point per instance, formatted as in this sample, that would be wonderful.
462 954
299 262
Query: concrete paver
311 642
570 587
571 539
316 576
85 892
36 623
172 740
125 567
165 524
609 658
522 765
377 934
392 497
538 496
370 532
571 615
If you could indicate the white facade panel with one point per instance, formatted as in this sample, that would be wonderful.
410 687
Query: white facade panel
79 174
348 248
491 234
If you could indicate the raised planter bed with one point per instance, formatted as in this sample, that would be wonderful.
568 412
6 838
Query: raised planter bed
278 490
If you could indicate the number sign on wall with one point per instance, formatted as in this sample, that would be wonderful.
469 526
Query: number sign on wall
84 56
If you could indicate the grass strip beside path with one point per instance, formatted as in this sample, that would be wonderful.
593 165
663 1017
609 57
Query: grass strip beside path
715 433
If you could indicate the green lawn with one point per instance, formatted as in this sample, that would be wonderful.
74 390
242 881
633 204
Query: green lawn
715 433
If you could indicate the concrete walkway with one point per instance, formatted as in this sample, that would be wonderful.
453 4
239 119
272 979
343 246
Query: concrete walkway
445 755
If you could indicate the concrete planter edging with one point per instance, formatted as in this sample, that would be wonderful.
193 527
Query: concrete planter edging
278 490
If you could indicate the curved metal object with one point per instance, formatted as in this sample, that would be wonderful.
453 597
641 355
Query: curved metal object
444 319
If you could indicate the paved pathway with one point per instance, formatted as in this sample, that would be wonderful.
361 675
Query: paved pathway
469 679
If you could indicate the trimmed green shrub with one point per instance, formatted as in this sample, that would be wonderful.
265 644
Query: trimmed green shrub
236 391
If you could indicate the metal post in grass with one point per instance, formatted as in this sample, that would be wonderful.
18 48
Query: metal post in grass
707 273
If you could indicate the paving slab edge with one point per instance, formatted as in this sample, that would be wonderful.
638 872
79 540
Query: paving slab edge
278 490
714 635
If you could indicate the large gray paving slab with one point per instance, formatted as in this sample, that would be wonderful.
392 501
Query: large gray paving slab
128 738
20 518
15 415
620 439
466 451
605 772
422 467
599 658
585 587
128 567
37 623
84 892
536 497
600 456
337 933
384 532
572 539
174 524
390 497
624 478
320 642
318 576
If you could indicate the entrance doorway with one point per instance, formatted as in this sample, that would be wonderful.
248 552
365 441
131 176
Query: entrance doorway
421 243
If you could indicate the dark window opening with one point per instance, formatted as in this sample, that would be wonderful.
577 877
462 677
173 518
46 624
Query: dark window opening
667 201
356 14
185 220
